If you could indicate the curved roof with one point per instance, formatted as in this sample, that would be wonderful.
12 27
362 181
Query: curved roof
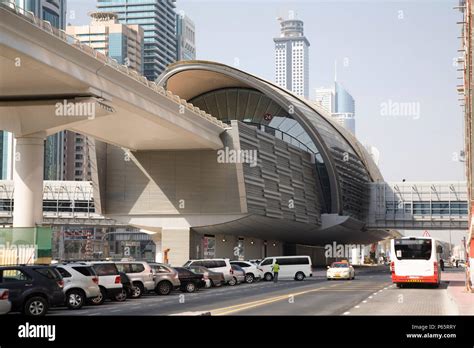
191 79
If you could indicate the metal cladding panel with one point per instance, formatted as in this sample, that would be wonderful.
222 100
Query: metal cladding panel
283 183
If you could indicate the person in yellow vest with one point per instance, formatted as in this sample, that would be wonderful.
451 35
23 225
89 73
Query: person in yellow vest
275 269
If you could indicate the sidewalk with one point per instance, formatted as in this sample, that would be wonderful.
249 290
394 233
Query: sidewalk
457 290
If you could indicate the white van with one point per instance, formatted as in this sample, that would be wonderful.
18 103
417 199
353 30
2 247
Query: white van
291 267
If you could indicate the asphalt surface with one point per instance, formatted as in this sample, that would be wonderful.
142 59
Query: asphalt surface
313 296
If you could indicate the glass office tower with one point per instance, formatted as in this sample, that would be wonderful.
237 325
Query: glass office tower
158 20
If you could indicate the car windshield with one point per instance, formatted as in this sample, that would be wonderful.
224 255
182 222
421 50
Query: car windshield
340 265
413 249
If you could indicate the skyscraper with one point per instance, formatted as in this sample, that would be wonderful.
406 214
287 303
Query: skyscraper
326 98
53 11
185 38
340 104
158 20
124 43
292 57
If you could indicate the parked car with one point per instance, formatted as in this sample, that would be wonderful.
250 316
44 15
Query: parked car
340 270
291 267
210 277
5 304
109 281
32 289
190 281
127 288
252 272
166 278
140 274
81 283
239 274
216 265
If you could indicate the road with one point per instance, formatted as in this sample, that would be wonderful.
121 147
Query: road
314 296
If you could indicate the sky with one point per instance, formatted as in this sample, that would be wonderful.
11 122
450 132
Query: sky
396 58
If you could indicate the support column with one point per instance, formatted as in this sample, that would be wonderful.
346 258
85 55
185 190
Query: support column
178 242
28 181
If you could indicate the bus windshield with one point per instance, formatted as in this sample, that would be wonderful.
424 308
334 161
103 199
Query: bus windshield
413 249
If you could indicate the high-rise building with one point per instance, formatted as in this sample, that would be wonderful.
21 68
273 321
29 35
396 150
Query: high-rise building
158 20
124 43
53 11
340 103
326 98
185 38
292 57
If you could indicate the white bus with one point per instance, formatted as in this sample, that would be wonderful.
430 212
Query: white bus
415 260
291 267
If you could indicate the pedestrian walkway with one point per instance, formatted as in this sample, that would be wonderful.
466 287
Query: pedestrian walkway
463 299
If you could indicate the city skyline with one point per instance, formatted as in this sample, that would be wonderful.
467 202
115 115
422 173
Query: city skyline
375 83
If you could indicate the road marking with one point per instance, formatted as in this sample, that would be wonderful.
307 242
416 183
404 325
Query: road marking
365 301
357 307
371 297
253 304
347 313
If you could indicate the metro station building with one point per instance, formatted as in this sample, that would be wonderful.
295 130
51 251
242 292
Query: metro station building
306 188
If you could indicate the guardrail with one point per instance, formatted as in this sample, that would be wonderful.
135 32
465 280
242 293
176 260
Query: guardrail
46 26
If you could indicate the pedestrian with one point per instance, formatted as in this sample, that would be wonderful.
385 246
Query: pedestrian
441 264
275 269
457 263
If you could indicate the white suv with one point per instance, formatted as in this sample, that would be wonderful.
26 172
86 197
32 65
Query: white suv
81 283
216 265
252 272
110 283
141 276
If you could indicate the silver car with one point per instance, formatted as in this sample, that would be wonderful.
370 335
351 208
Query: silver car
141 276
166 278
238 274
5 304
81 283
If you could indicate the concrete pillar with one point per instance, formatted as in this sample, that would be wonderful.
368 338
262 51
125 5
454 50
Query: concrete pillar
28 181
178 243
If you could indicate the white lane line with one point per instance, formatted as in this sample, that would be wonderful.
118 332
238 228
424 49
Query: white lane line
371 297
94 314
347 313
365 301
357 306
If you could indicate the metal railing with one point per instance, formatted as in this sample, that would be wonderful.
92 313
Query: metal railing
124 69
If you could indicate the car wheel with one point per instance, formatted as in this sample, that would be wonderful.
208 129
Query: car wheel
137 290
36 306
268 277
163 288
99 299
121 296
75 299
249 278
299 276
399 285
190 287
233 281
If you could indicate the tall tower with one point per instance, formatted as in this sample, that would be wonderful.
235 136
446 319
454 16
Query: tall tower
291 57
158 20
185 38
